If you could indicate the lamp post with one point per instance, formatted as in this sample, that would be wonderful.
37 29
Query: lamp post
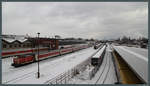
38 57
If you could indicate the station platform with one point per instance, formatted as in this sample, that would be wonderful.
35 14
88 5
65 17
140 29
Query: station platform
136 58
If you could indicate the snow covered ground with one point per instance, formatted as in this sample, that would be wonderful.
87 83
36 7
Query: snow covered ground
49 68
53 67
105 74
141 51
137 58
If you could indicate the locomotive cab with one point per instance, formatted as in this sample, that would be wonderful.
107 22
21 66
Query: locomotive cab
19 60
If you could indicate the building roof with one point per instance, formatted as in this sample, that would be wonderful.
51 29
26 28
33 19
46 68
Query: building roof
22 40
11 39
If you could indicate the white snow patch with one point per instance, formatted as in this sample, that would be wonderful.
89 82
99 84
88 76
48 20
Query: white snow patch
138 55
48 69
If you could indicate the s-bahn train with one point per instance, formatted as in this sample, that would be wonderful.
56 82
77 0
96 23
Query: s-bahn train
21 60
97 59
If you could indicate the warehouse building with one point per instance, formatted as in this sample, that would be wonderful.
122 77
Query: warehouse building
17 42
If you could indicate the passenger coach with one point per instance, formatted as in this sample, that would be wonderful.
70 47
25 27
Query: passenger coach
96 60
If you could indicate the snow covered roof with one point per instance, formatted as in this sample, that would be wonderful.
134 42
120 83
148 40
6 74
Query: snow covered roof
22 40
135 58
10 40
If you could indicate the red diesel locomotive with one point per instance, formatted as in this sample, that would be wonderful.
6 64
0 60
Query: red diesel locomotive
20 60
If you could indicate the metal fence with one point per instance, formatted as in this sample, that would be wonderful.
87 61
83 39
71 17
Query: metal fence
96 68
64 78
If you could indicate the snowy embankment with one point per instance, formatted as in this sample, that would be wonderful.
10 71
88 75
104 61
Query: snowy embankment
137 58
48 69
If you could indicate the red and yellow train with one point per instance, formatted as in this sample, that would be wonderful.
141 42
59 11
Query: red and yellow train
19 52
20 60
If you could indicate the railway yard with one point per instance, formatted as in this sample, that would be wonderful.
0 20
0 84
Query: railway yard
83 64
73 43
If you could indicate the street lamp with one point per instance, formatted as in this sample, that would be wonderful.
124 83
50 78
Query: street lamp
38 57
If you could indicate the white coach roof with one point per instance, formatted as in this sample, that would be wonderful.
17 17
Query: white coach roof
98 54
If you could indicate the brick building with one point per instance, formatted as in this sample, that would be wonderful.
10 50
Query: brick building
16 42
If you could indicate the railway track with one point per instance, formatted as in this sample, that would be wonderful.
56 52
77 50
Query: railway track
20 78
105 69
102 71
47 82
28 75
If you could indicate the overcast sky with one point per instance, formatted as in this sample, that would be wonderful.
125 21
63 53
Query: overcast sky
100 20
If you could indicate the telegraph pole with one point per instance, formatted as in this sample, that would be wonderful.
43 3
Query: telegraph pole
38 56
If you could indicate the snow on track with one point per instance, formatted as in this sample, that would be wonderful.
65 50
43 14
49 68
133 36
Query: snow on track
48 69
111 77
105 74
100 77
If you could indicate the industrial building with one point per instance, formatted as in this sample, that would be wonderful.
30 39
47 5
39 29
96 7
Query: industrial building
17 42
